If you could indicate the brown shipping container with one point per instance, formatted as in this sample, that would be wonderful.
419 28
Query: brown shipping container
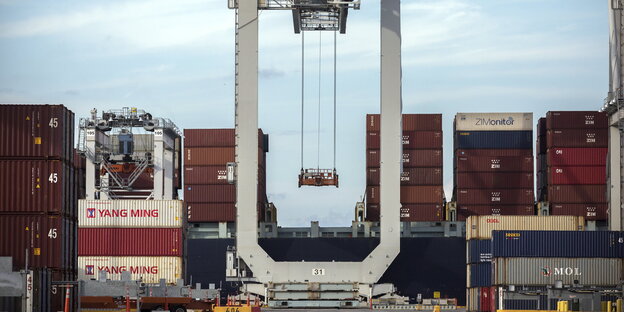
577 120
494 164
211 156
494 152
409 176
130 242
410 212
212 175
589 211
464 211
411 140
411 158
411 122
49 240
577 138
541 127
494 180
36 131
411 194
495 196
36 186
216 193
221 212
214 138
577 194
372 212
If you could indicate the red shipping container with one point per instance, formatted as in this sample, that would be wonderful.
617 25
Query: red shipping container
493 180
589 211
410 213
411 158
212 175
411 194
409 176
411 122
36 131
210 212
577 194
216 193
577 175
464 211
372 212
577 156
495 197
214 138
130 242
494 164
577 120
485 299
411 140
211 156
36 186
577 138
494 152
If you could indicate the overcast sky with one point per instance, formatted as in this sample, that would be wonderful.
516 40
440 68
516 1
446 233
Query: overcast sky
176 60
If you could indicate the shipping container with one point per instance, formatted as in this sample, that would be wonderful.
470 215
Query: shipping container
130 214
577 194
216 193
149 269
478 250
36 131
493 152
212 174
546 271
211 156
481 227
217 138
411 140
493 180
422 213
479 274
464 211
494 164
411 122
577 156
540 145
497 196
216 212
558 244
577 120
596 138
577 175
541 127
589 211
411 194
130 242
472 299
411 158
493 140
409 176
493 122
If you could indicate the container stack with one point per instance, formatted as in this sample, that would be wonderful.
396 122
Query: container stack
38 194
144 237
480 293
493 164
207 194
573 163
422 195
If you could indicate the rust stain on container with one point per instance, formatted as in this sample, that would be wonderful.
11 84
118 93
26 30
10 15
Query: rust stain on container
495 196
410 140
409 176
411 122
494 164
577 120
494 180
577 194
464 211
411 158
577 138
130 242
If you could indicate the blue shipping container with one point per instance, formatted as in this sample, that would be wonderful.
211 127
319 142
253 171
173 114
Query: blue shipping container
479 250
559 244
480 274
494 140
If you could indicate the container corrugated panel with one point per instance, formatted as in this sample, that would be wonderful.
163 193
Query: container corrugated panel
494 140
577 156
472 299
479 274
150 269
577 175
219 212
130 242
411 194
478 250
495 196
211 174
211 156
597 138
577 194
494 180
216 193
558 244
494 164
576 120
36 131
422 213
541 127
493 121
35 186
545 271
493 152
464 211
214 138
411 158
411 140
481 227
589 211
130 213
540 145
409 176
411 122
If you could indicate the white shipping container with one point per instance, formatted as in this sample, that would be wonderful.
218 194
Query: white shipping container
150 269
481 227
494 122
130 213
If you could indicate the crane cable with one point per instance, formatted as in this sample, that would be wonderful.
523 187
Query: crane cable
302 90
334 100
318 126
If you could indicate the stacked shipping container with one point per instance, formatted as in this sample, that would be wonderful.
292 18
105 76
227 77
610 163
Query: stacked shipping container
493 164
207 194
144 237
422 196
572 153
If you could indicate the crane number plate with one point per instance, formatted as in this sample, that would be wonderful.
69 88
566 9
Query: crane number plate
318 272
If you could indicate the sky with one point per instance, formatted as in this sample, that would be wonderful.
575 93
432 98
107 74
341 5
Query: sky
175 59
